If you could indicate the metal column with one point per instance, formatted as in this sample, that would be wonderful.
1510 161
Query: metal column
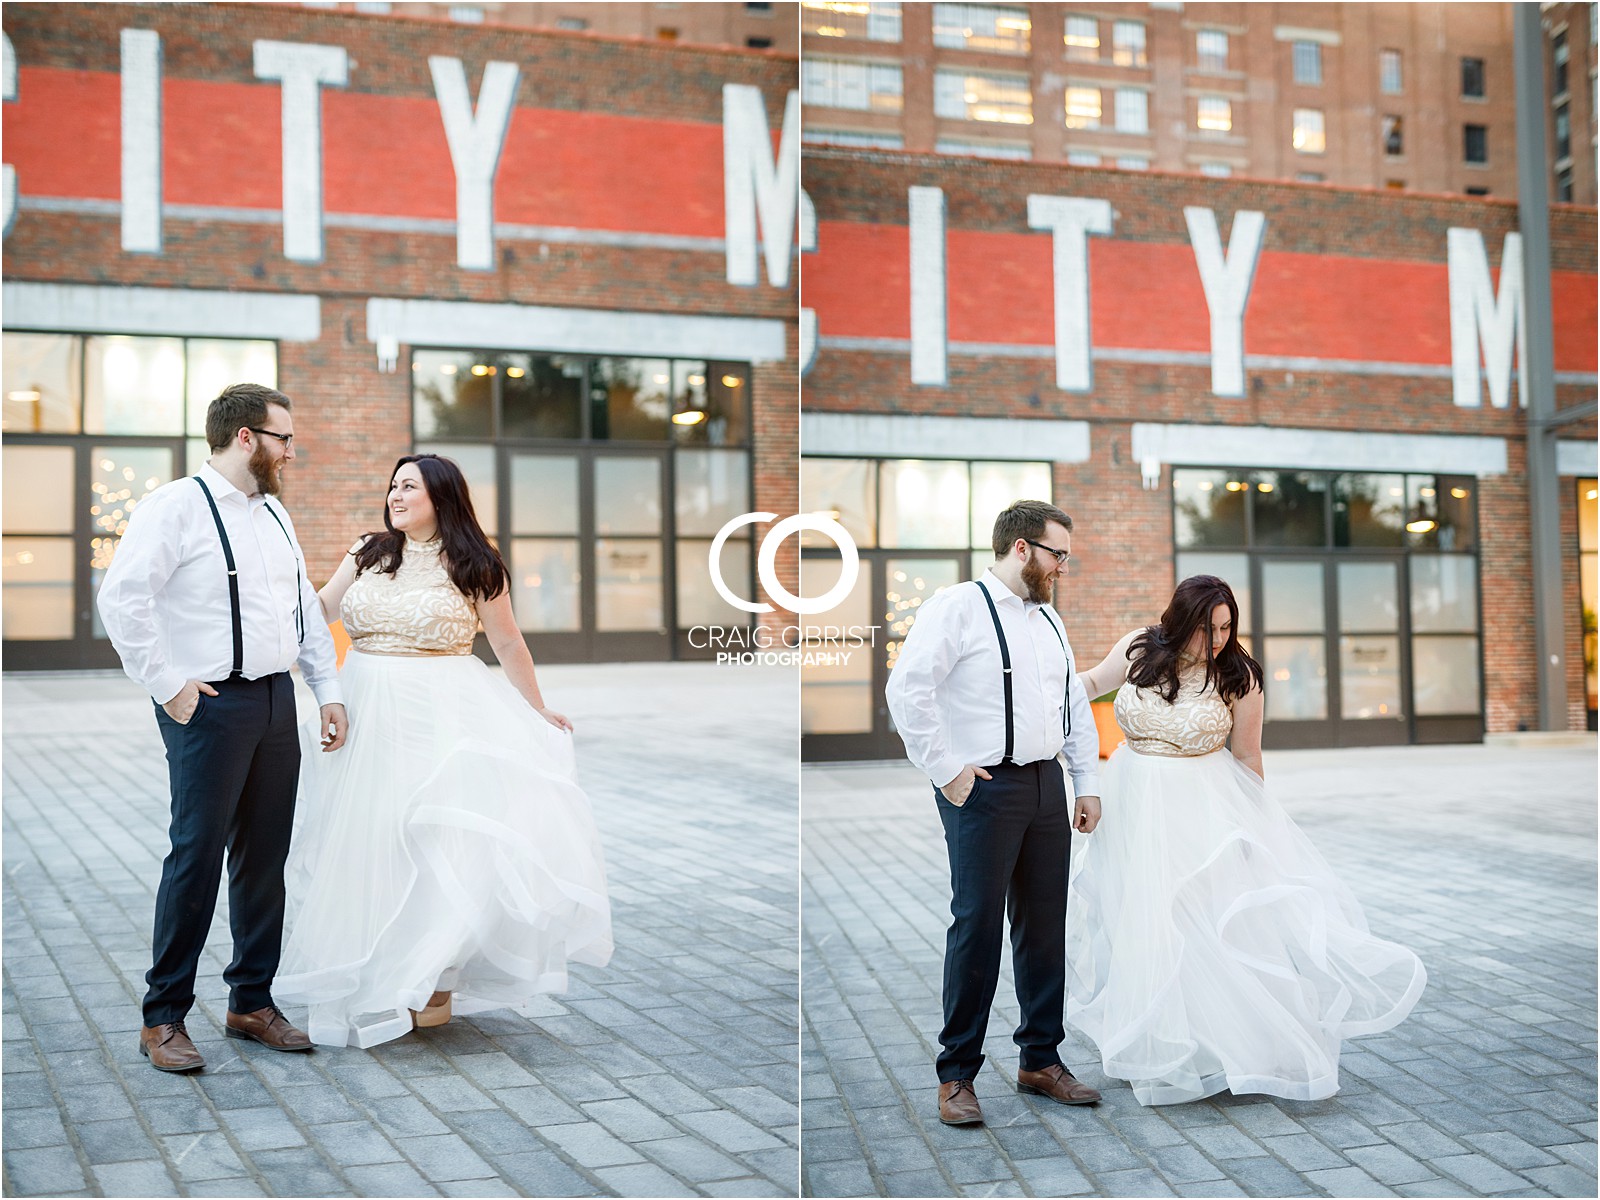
1544 512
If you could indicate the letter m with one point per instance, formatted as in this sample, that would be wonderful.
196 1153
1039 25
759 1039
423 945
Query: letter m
754 185
1480 317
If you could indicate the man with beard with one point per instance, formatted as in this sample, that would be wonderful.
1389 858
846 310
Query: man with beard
984 698
209 584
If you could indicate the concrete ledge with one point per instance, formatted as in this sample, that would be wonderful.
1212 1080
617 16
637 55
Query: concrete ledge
1543 739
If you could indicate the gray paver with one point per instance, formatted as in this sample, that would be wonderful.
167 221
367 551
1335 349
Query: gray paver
695 1016
1487 1084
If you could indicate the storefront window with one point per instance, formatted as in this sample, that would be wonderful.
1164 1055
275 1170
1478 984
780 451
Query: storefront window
631 398
43 383
449 399
93 424
1440 512
1290 508
1369 510
845 489
923 503
541 395
1208 507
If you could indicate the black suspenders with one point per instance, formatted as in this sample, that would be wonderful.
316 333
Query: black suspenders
233 583
1005 668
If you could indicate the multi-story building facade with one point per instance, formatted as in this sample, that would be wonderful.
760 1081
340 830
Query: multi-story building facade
1308 391
1409 96
432 238
750 26
1572 141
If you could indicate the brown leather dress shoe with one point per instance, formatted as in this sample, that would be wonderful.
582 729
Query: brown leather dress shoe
267 1026
1056 1083
958 1103
168 1048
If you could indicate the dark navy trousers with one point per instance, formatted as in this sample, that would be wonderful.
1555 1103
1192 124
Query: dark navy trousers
1009 845
234 769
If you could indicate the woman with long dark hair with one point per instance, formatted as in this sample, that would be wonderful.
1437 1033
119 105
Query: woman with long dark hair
1209 946
446 859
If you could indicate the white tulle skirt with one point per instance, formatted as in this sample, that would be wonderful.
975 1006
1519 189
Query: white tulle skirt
445 846
1210 947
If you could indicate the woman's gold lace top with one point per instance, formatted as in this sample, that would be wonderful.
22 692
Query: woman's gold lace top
418 611
1198 721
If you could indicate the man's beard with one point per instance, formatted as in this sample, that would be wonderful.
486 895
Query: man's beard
1039 582
264 470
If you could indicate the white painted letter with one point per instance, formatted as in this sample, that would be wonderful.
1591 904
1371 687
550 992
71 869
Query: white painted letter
929 331
808 316
1227 286
475 144
1476 313
141 141
1071 220
9 182
752 184
302 69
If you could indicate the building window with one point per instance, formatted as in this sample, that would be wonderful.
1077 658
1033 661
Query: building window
1083 108
572 24
865 87
1127 44
984 27
1472 78
1133 162
975 149
845 137
1083 39
1395 185
1082 158
1390 79
1393 137
1211 50
1214 114
982 96
758 8
1309 135
874 21
666 33
377 8
1307 62
119 416
466 14
1559 55
1563 132
1310 177
1476 149
582 520
1477 191
758 43
1564 185
1236 522
1133 110
1216 170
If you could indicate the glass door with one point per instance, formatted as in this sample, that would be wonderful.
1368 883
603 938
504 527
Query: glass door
1294 650
66 508
587 537
1372 671
843 711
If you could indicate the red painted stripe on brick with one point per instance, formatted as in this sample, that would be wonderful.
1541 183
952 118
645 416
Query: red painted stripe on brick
383 155
1148 296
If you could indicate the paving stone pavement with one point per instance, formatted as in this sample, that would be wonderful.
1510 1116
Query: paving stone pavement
1480 858
671 1072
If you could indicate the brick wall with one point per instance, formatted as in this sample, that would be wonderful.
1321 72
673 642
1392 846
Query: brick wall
1123 540
385 153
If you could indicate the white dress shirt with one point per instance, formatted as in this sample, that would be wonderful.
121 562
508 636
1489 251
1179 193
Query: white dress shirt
164 601
947 690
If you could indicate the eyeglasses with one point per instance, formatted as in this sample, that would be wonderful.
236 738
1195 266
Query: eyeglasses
1061 556
286 438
